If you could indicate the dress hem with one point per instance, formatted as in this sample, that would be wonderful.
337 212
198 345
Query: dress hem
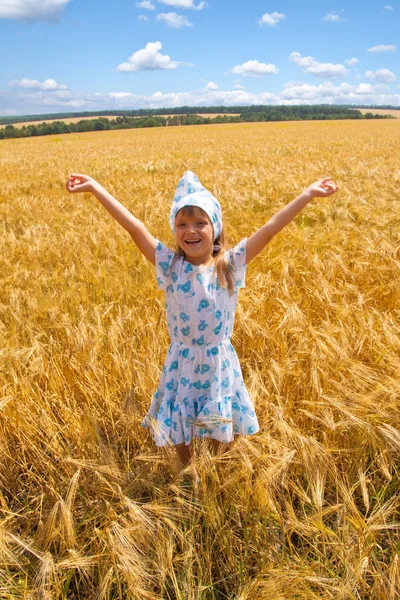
199 437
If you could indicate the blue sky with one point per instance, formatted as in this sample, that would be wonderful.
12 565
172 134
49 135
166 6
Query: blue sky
74 55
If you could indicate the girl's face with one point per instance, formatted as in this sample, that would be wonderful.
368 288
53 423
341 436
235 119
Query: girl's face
194 234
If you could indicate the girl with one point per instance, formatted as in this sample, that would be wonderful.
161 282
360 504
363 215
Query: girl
201 392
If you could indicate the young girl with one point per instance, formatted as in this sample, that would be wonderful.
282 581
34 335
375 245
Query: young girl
201 392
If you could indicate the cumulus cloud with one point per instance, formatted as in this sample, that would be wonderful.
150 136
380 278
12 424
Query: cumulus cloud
143 18
211 86
237 86
352 61
203 97
334 18
33 84
328 93
272 19
381 75
322 70
146 4
32 10
173 20
119 95
383 48
188 4
150 58
292 94
254 68
36 101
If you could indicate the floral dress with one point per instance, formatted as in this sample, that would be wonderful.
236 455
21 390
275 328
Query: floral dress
201 392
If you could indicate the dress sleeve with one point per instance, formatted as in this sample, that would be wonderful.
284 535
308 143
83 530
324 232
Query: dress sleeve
164 258
237 259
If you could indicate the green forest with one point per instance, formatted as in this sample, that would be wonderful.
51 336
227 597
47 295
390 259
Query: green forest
176 117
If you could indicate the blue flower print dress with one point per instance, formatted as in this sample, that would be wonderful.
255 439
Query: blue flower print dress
201 392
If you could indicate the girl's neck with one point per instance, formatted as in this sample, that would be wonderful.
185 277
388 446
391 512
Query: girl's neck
199 261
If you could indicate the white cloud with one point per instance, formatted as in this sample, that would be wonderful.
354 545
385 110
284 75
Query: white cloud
388 7
352 61
34 101
202 97
32 10
211 86
188 4
143 18
292 94
149 58
301 61
173 20
328 93
119 95
253 68
381 75
33 84
363 88
237 86
146 4
272 19
334 18
322 70
383 48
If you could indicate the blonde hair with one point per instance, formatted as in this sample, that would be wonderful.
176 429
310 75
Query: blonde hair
223 269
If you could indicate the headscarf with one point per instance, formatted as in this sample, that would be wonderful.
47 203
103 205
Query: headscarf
190 192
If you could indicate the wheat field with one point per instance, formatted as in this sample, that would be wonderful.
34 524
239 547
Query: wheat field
308 508
382 111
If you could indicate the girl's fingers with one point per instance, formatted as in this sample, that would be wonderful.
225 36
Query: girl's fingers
329 185
72 186
76 178
332 189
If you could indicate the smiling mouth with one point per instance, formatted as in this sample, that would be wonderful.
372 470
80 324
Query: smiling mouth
192 242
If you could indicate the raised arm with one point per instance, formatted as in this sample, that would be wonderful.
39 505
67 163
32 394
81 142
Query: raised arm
138 232
259 239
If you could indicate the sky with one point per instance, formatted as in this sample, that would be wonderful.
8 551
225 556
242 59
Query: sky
94 55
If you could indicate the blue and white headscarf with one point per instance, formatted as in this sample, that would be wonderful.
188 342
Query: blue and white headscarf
190 192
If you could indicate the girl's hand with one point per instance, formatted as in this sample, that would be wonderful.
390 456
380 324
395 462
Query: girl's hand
80 183
322 188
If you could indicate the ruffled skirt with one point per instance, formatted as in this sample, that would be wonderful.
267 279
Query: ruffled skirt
201 394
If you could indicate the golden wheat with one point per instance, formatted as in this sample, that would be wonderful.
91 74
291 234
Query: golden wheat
306 509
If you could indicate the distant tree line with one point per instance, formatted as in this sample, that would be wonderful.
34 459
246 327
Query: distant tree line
188 110
185 116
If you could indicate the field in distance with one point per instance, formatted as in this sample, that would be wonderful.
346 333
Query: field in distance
67 120
306 509
380 111
110 117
